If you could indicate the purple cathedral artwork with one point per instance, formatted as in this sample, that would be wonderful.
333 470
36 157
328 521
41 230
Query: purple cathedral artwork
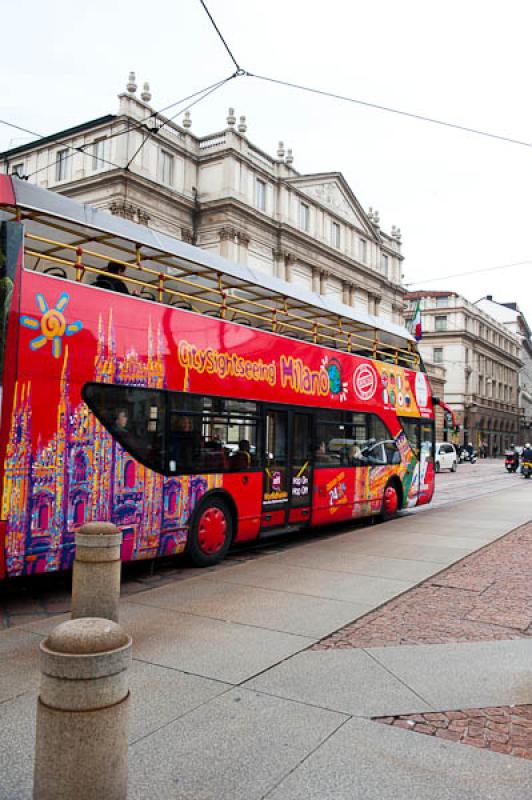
81 474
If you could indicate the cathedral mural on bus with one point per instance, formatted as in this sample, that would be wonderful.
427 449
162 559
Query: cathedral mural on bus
81 474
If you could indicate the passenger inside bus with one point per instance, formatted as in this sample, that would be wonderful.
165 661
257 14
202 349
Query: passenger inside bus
241 459
120 424
184 441
323 457
109 281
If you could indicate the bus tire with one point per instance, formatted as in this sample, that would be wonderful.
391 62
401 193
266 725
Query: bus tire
210 533
391 501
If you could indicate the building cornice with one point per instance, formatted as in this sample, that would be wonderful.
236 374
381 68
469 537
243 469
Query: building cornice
305 241
68 133
117 176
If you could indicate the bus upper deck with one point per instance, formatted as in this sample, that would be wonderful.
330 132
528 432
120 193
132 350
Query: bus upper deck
76 242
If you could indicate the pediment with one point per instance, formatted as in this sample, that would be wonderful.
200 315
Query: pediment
333 192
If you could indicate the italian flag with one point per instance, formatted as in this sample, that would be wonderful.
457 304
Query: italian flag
415 322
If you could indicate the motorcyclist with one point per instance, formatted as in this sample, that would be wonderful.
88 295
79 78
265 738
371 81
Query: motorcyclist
526 455
469 450
515 455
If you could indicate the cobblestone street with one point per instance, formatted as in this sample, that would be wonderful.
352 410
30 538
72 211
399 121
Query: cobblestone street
486 596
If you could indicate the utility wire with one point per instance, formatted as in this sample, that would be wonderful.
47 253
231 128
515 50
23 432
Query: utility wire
216 28
20 128
80 149
390 110
470 272
181 111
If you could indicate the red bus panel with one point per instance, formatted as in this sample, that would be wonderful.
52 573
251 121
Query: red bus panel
63 468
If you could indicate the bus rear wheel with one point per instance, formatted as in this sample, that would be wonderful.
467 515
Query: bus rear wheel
210 534
390 502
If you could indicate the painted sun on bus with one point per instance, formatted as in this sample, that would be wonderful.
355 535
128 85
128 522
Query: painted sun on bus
188 432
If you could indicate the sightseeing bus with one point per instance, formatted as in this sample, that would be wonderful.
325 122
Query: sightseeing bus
211 405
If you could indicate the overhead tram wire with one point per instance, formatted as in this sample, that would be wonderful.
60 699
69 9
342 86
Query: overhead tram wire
80 149
527 261
389 109
210 91
240 71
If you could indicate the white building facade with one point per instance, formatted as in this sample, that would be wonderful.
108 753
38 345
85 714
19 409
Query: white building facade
482 365
224 194
514 320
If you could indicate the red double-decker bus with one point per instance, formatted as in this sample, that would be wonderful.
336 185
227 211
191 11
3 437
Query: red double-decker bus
213 404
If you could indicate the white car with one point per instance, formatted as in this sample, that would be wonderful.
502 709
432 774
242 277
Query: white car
446 456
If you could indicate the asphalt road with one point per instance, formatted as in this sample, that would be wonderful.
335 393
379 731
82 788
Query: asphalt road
472 480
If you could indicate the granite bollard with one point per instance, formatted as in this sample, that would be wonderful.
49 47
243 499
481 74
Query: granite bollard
96 575
81 733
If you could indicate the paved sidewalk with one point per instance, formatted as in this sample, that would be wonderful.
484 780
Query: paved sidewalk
230 702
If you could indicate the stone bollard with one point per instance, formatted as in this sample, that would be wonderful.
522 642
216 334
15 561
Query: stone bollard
81 738
96 576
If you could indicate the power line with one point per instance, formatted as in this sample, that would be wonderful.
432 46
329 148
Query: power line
389 109
471 272
20 128
216 28
80 149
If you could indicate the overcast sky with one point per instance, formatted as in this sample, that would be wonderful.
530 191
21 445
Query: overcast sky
462 201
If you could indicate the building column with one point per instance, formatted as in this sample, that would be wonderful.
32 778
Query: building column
289 260
373 303
227 243
346 291
243 247
315 280
323 281
278 263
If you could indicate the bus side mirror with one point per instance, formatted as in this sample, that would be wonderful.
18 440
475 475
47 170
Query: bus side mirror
435 400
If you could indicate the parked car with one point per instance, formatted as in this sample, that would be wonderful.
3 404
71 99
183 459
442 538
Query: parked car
446 456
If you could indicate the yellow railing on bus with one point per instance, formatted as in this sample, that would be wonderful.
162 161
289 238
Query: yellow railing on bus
279 319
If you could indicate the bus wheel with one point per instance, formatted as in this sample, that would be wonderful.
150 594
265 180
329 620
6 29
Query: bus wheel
390 502
210 534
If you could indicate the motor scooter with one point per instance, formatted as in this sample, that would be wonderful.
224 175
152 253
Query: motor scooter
466 456
511 461
526 469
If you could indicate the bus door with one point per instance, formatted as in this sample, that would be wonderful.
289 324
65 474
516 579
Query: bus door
288 468
426 461
300 467
420 435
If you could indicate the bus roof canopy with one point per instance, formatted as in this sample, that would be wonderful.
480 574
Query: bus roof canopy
76 241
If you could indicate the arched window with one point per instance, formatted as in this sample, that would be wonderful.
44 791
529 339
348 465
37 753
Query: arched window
79 473
43 516
172 501
79 511
129 475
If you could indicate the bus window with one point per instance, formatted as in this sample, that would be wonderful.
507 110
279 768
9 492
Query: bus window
211 434
332 440
426 430
411 429
381 448
134 416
